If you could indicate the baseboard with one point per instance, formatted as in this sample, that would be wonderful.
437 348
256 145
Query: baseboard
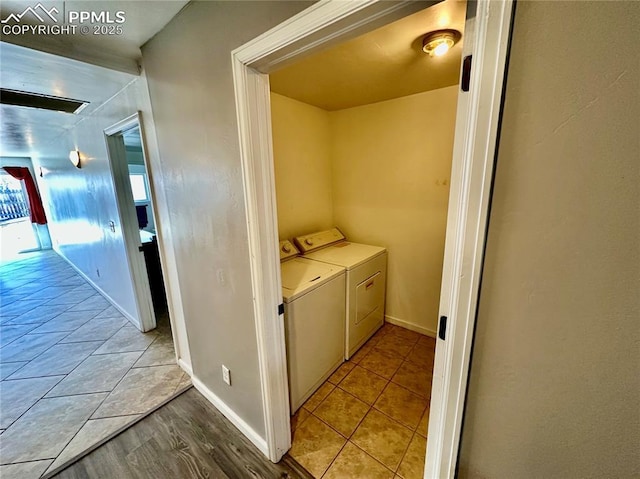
411 326
236 420
130 318
186 367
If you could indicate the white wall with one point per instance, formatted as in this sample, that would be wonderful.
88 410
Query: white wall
81 202
555 389
391 169
302 160
191 86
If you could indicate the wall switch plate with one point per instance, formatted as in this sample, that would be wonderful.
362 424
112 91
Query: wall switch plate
226 375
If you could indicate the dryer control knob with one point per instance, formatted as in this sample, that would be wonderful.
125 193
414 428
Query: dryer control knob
309 241
286 248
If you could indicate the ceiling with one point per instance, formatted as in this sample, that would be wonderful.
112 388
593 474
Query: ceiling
143 19
380 65
107 64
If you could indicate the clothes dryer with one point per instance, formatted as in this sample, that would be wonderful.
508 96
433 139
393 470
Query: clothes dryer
366 281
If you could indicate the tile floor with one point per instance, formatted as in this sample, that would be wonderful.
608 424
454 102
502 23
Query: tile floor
370 418
73 369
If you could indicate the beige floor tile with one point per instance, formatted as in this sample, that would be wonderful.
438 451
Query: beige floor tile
395 344
428 340
96 374
342 411
298 418
127 339
406 334
341 372
382 438
315 445
140 390
96 329
24 470
44 430
361 353
402 405
59 359
412 465
422 354
423 426
94 431
160 353
363 384
16 397
415 378
318 396
7 369
185 382
29 346
353 462
383 363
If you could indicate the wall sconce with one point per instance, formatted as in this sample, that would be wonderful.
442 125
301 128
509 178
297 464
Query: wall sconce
74 157
437 43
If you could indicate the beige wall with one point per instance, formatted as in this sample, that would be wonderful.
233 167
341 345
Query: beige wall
301 150
379 172
391 171
188 66
555 383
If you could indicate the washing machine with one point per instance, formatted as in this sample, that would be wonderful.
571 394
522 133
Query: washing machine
314 310
366 281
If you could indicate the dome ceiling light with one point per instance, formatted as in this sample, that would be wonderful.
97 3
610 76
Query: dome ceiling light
438 43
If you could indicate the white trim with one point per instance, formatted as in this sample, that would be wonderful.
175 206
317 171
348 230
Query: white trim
129 221
252 101
473 162
327 22
410 326
96 287
169 274
186 367
236 420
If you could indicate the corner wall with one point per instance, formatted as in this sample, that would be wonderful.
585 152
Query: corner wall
302 160
554 386
391 171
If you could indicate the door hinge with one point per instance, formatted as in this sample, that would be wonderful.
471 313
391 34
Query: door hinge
442 330
280 309
466 73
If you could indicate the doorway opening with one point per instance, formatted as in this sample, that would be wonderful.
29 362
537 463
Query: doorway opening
17 233
487 32
137 215
362 168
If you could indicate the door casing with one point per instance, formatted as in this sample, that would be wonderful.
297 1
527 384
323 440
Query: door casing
487 34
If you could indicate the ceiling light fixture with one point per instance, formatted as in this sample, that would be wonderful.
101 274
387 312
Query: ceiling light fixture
74 157
440 42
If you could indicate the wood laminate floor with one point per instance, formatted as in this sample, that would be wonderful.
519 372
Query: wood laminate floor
186 438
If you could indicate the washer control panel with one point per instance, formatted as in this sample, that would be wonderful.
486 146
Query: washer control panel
288 250
314 241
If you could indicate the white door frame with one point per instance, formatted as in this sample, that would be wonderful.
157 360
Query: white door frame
325 23
129 220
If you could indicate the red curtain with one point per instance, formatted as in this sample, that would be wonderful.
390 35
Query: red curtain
35 203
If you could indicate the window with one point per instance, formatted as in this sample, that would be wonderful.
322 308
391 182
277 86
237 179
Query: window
138 187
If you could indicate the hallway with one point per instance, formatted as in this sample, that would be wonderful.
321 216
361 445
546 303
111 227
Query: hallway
73 370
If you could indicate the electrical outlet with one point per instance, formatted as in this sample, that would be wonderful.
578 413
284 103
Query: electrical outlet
226 375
